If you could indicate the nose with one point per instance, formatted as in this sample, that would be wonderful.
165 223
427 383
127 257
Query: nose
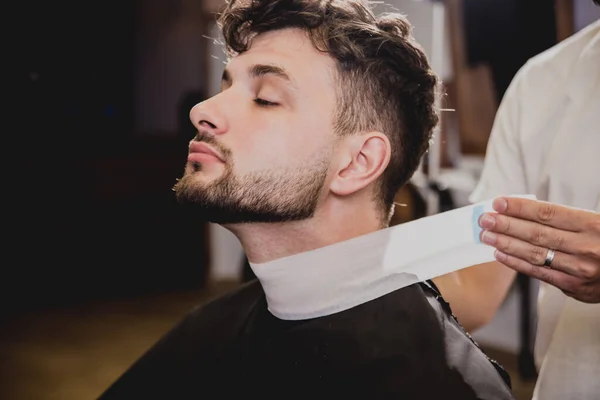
205 116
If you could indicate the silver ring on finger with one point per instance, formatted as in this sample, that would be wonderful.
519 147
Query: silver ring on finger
549 258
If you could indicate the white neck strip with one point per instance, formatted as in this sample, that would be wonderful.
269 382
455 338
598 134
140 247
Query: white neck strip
338 277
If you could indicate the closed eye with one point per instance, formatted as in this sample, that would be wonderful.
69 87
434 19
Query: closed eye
264 103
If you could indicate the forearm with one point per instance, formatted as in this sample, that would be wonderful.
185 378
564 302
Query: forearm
475 293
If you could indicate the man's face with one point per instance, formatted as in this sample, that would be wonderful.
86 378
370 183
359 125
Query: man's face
272 129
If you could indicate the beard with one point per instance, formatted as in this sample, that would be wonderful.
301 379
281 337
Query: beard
274 195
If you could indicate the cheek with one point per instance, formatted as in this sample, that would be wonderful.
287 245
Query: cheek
272 139
299 137
264 142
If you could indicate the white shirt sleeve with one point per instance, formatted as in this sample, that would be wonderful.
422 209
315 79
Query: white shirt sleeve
504 171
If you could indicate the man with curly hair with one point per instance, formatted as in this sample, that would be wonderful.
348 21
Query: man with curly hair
325 112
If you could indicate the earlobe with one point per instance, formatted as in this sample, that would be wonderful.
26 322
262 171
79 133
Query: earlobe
368 155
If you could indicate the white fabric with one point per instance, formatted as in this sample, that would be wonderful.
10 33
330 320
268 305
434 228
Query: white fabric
546 141
343 275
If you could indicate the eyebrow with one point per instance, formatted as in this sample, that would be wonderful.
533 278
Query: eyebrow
261 70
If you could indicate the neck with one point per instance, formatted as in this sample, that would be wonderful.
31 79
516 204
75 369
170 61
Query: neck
332 223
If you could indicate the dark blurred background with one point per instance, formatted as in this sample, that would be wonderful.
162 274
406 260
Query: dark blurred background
99 260
102 95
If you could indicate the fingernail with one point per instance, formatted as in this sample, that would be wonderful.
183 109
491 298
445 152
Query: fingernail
486 221
489 237
500 204
500 256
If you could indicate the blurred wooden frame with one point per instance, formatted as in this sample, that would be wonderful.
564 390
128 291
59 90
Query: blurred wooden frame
565 20
471 91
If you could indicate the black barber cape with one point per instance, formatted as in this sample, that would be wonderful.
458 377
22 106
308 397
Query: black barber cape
403 345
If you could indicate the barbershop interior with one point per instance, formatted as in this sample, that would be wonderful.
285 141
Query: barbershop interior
102 261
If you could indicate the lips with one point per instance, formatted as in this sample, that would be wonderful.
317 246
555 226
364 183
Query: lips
199 150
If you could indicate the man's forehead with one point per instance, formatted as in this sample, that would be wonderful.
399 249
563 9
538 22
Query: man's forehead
289 48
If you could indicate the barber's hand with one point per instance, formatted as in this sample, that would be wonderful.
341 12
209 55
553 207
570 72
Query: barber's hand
523 231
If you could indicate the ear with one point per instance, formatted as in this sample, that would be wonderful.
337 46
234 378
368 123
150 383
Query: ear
364 158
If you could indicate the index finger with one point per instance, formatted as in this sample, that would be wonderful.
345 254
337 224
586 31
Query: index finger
543 212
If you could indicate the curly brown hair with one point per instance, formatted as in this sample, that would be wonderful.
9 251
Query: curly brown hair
385 82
